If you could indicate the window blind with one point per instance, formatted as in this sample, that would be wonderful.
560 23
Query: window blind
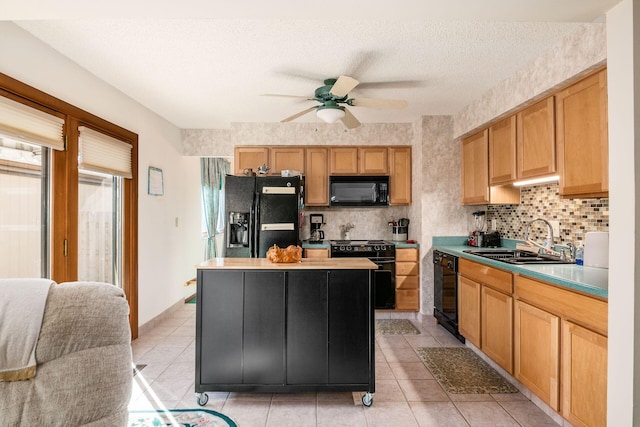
101 153
28 124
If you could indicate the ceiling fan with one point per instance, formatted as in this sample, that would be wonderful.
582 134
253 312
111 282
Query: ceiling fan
334 97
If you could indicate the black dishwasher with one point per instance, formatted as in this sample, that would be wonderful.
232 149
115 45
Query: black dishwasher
445 291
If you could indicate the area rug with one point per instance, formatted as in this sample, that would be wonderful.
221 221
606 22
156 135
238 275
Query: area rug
179 417
460 371
395 327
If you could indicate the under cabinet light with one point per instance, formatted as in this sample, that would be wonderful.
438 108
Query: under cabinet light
536 181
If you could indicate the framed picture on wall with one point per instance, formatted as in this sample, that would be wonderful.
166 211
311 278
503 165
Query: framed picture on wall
156 182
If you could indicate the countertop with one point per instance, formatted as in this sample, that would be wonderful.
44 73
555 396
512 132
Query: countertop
304 264
589 280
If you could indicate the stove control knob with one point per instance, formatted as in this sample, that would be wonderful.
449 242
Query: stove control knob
349 248
342 248
383 248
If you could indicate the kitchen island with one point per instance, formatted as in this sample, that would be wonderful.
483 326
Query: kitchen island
298 327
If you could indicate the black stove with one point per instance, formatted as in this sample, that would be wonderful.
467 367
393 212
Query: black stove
363 248
383 254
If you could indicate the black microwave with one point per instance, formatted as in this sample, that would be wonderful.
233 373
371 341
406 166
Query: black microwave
359 190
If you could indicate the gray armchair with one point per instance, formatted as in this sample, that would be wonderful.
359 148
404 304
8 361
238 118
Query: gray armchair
83 356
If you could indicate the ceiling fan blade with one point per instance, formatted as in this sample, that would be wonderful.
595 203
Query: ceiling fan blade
399 84
301 113
343 86
350 120
285 96
378 103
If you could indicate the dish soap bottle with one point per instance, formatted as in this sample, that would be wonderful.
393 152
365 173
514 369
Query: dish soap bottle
579 255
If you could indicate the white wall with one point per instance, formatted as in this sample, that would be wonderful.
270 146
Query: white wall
623 76
166 253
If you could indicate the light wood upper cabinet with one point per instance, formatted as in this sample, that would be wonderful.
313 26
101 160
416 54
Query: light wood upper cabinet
537 351
584 376
475 169
581 136
502 151
373 161
316 177
283 158
343 160
536 140
400 175
249 158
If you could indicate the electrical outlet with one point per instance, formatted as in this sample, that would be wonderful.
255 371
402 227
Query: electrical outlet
494 224
556 227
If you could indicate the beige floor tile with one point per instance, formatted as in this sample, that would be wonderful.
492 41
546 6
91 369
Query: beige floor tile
528 414
337 396
422 340
292 414
388 391
485 414
423 391
406 354
171 389
178 371
384 372
331 414
509 397
161 354
267 397
247 412
437 414
410 370
297 397
392 341
471 397
153 370
388 414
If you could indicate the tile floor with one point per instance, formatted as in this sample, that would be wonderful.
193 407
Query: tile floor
406 392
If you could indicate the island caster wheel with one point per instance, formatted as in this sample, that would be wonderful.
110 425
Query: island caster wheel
202 398
367 399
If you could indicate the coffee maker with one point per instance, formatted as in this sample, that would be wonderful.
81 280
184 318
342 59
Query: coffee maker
316 221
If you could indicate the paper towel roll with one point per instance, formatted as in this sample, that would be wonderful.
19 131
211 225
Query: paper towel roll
596 249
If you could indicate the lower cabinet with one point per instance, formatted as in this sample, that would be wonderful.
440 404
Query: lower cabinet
584 376
537 351
408 279
294 330
469 310
497 327
485 310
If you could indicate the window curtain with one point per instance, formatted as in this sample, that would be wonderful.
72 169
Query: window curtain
212 177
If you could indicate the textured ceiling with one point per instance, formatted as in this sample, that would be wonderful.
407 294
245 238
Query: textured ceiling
204 67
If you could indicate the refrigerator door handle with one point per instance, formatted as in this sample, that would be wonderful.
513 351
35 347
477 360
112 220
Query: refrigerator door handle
255 215
285 226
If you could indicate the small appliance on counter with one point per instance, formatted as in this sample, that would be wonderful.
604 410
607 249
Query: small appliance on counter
399 229
316 221
476 237
596 249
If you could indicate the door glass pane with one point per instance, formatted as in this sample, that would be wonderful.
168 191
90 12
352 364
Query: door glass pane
99 227
24 210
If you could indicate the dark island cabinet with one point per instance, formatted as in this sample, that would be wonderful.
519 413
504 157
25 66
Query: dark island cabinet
284 331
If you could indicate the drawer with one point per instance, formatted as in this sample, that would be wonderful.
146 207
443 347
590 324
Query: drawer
407 268
407 282
408 299
493 277
407 254
316 253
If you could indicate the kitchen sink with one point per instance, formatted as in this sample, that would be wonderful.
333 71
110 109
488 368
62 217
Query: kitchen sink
515 256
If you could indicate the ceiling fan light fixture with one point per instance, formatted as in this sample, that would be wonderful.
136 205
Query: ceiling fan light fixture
330 114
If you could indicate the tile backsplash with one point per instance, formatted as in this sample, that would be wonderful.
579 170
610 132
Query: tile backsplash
576 216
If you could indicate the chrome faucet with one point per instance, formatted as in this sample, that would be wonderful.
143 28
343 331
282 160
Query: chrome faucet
549 239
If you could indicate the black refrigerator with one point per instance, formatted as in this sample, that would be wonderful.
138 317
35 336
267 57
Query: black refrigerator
261 211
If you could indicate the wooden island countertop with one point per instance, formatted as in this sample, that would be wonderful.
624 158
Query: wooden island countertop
304 264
